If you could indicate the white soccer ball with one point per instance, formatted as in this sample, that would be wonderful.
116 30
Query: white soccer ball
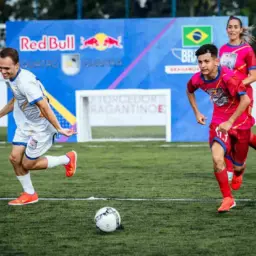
107 219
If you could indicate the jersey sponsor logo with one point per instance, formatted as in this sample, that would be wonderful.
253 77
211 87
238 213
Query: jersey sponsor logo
32 143
218 96
193 36
228 59
70 64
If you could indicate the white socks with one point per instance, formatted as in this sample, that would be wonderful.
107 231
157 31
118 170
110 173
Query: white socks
52 162
26 183
56 160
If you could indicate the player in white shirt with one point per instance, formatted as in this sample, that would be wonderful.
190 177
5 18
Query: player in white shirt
36 126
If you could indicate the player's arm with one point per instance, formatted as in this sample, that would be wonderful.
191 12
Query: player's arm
34 94
47 112
251 65
251 77
243 104
200 118
236 87
7 108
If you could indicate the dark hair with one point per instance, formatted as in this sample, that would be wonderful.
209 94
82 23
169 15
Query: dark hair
207 48
11 53
246 35
235 18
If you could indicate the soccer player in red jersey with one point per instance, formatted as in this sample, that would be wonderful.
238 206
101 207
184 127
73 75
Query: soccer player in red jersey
238 55
231 123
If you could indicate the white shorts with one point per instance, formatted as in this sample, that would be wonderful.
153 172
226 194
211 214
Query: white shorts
37 143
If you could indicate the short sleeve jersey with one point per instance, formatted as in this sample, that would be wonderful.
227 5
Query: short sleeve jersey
225 91
239 58
27 91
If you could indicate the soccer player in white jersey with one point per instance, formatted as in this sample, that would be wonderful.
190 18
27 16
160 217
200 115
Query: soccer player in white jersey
36 126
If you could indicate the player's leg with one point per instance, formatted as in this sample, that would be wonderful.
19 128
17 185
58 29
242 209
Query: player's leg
220 144
15 158
239 156
252 142
221 175
230 169
23 175
38 145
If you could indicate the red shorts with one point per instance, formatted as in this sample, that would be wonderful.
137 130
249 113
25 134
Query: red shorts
235 143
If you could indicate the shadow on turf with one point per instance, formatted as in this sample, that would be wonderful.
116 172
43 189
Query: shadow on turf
119 229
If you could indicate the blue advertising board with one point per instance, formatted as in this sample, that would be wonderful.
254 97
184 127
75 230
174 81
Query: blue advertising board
118 54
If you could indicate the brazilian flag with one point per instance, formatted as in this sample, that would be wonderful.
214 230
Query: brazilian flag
193 36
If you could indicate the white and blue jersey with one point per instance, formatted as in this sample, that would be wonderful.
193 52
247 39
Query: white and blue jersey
27 91
33 131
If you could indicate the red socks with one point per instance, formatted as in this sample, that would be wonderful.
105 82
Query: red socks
222 178
229 165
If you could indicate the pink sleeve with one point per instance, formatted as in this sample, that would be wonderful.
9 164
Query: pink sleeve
250 60
221 51
191 87
235 86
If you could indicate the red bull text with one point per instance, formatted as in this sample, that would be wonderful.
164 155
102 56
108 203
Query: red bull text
47 43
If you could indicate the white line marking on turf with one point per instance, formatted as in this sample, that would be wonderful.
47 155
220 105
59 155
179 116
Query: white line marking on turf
128 139
57 146
161 146
135 146
96 146
176 145
185 146
92 198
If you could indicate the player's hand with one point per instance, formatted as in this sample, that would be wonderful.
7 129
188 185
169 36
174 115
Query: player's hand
201 119
225 126
67 132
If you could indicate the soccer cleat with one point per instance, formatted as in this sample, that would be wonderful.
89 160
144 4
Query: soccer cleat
226 204
24 199
237 181
71 166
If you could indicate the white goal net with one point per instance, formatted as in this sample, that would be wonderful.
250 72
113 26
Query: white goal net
123 115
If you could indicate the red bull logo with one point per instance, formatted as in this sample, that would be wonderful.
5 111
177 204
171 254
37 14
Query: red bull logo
101 42
48 43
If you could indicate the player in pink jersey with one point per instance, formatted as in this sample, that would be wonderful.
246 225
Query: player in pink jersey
231 123
239 56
